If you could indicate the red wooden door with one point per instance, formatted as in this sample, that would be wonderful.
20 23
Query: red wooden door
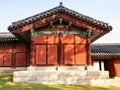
109 66
7 59
60 50
20 55
40 54
13 55
46 54
20 59
69 54
52 54
5 55
46 50
74 52
80 54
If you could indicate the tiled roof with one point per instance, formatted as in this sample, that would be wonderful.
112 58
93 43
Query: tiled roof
7 36
55 10
105 51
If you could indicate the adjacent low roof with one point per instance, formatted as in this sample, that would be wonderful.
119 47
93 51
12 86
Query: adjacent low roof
59 9
7 36
106 51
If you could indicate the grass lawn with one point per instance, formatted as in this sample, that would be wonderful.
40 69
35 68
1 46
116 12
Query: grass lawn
7 84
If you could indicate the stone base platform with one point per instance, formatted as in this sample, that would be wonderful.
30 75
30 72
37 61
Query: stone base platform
62 75
9 71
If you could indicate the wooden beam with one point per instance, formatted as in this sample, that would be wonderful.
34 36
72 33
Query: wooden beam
84 24
60 20
70 23
51 23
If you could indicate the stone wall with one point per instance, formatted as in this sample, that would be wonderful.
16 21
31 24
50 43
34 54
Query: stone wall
62 76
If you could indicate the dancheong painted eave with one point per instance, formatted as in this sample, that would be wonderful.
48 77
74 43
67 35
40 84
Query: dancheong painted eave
59 9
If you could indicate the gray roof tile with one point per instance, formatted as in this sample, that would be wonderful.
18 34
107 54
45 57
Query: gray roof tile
7 36
105 51
55 10
105 48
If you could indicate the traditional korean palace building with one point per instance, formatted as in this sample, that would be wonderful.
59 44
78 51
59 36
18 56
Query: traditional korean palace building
56 48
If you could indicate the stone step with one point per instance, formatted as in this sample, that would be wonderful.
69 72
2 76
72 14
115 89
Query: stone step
59 68
114 82
73 82
116 78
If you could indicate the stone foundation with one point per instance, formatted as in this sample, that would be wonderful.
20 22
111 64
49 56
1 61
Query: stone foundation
74 75
9 71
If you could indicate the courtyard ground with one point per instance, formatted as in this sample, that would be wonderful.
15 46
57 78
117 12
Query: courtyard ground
7 84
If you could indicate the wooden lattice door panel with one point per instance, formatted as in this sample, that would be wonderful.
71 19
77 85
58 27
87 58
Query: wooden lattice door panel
52 54
69 54
40 54
20 59
80 54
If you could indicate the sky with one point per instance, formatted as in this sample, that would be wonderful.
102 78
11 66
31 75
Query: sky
104 10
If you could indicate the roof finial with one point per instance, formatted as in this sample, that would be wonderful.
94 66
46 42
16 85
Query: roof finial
60 4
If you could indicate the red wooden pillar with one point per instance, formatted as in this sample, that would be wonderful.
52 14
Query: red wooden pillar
32 52
89 59
60 50
13 55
